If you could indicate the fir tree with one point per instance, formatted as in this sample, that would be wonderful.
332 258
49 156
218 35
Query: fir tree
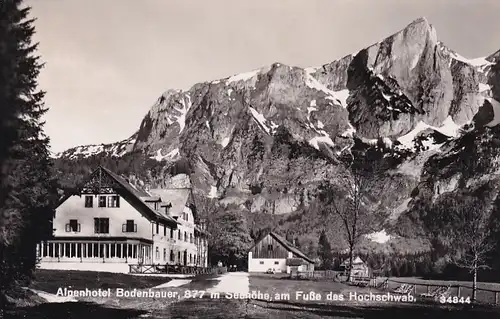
325 251
27 189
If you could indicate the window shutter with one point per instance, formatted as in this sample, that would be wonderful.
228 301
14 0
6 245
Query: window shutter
68 229
79 227
124 228
135 228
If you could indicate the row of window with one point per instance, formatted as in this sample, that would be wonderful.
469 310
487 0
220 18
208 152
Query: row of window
276 262
179 235
103 201
192 257
101 226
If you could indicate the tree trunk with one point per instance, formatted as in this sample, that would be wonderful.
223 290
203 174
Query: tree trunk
351 248
474 283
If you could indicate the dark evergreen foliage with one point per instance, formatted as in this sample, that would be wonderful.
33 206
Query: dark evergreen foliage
27 190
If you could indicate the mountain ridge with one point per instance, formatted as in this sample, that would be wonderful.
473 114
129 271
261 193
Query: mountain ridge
267 138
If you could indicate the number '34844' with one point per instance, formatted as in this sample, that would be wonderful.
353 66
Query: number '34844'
454 300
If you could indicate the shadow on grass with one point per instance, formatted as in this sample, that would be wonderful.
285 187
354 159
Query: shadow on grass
71 310
51 280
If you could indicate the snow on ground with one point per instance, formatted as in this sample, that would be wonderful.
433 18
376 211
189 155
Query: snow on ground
207 124
216 82
242 76
174 283
496 112
320 124
261 120
232 282
380 237
313 103
229 91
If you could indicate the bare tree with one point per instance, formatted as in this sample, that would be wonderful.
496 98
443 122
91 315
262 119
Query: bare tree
468 233
355 197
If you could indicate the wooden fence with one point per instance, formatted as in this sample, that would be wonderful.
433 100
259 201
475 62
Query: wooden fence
172 269
483 295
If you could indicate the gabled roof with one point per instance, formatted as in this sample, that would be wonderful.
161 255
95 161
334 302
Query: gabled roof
134 194
177 197
287 245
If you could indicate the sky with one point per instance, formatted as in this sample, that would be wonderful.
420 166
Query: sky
107 61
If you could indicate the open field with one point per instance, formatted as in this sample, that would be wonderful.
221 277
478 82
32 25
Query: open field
222 307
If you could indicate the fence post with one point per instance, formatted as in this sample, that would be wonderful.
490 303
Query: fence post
428 288
458 291
496 297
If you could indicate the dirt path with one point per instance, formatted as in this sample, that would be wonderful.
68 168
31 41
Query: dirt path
232 282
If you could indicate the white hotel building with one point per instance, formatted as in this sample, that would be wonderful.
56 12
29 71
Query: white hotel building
109 224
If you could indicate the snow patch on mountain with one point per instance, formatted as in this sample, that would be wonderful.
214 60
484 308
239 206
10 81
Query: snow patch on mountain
484 87
477 62
448 128
314 142
260 119
169 156
342 96
225 141
330 95
496 111
242 76
380 237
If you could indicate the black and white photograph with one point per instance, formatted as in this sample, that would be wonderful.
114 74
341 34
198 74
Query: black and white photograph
249 159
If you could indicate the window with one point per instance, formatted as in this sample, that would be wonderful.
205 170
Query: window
102 201
164 230
171 233
185 236
157 253
179 235
73 226
129 227
113 201
269 247
101 225
179 256
172 256
187 217
261 262
190 258
164 254
276 262
191 238
89 200
157 228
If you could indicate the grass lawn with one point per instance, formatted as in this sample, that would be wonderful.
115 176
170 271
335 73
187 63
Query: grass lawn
51 280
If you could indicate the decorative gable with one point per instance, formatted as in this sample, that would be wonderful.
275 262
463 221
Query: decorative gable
100 182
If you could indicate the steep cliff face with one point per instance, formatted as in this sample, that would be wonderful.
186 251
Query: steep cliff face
269 137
